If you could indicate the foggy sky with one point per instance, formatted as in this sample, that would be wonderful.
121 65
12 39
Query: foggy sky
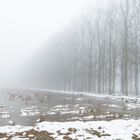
26 25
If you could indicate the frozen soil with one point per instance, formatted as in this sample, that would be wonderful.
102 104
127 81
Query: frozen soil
75 130
56 115
27 107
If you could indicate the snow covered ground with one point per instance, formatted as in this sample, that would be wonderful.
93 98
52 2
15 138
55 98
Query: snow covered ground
57 115
92 130
117 96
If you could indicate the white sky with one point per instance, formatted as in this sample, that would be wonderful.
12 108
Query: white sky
26 24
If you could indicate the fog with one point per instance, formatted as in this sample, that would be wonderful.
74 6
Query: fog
73 45
70 69
97 51
25 26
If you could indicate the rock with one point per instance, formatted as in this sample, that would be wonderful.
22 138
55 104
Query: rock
72 130
11 122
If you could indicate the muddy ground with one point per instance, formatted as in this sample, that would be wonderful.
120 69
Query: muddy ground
27 107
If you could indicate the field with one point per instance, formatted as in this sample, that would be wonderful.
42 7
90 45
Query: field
56 115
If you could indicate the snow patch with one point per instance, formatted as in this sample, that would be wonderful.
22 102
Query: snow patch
99 130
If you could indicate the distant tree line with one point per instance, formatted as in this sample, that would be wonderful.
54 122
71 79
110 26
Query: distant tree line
99 52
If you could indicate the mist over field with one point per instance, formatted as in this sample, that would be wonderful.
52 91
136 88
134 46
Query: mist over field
24 29
96 51
70 70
